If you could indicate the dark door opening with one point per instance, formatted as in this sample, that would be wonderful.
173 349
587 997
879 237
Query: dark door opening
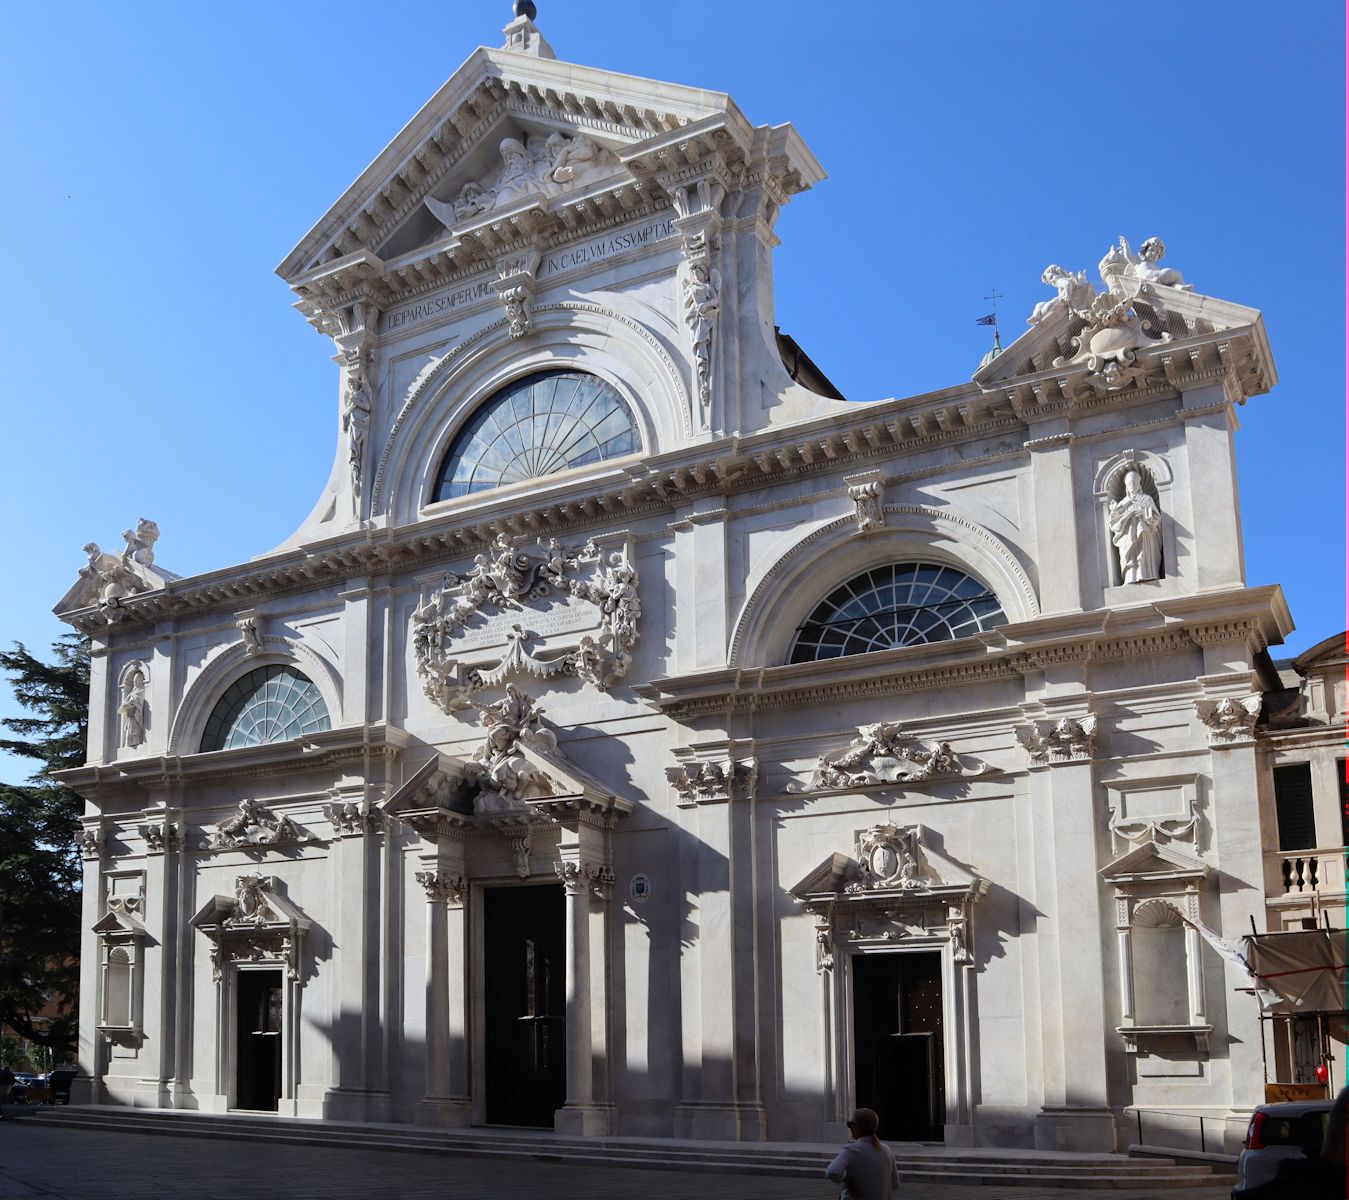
525 945
258 1040
897 1039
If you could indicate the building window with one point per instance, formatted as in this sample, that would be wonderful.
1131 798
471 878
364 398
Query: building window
270 704
545 423
1342 767
903 604
1293 804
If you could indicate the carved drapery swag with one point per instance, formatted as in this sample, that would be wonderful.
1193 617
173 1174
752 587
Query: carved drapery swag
515 578
884 754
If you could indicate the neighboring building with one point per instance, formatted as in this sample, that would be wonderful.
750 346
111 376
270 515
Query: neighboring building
1304 818
639 738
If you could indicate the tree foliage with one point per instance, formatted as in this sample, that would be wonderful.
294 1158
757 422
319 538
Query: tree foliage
40 869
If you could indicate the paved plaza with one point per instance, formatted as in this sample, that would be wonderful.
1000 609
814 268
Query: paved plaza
77 1164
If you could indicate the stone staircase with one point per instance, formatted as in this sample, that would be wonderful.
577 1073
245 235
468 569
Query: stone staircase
918 1164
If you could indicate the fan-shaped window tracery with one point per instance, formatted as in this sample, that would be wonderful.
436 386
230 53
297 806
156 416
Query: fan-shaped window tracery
270 704
545 423
902 604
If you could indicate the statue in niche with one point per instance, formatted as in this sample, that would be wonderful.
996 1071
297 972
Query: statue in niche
1136 530
132 705
356 423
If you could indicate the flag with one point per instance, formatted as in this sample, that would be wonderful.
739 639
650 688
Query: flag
991 319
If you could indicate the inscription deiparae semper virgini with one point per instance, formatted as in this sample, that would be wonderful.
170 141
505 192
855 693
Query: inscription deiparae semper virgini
518 594
552 262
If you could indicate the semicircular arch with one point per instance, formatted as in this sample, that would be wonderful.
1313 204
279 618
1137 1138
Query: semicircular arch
569 336
233 662
796 583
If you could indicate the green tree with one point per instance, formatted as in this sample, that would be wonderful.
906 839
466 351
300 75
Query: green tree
40 869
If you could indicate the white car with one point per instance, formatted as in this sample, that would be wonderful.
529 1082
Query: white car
1290 1129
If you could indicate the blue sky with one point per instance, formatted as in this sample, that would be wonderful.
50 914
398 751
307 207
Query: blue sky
162 158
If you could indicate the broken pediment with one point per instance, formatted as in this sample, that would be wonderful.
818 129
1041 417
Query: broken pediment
516 152
1153 861
256 924
107 579
1142 324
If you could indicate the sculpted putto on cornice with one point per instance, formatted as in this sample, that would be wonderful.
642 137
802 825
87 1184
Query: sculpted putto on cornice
535 167
511 579
116 577
253 825
708 782
884 754
504 778
1228 720
1114 332
1066 740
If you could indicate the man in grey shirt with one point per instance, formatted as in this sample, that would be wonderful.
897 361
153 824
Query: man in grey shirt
866 1165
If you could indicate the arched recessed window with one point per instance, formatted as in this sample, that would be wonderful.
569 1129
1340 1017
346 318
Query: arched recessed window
902 604
269 704
539 425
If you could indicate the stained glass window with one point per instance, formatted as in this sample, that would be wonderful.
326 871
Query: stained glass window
270 704
544 423
902 604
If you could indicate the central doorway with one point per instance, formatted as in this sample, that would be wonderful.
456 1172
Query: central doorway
524 959
258 1039
897 1038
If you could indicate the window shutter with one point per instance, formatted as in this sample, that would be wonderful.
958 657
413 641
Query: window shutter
1293 801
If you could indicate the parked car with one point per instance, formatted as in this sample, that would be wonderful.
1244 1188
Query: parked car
1291 1129
23 1080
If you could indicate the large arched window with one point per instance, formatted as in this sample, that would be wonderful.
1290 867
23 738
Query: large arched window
902 604
269 704
544 423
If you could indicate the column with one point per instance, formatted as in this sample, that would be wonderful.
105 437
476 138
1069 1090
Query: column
158 968
1215 507
441 1106
584 879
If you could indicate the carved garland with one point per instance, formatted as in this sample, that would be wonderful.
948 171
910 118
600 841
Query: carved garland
509 579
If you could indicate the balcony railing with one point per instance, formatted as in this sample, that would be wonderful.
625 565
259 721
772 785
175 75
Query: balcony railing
1305 873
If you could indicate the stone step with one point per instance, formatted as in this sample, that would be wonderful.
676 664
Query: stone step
925 1165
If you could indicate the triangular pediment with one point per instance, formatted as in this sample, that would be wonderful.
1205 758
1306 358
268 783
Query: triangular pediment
894 864
513 150
1127 328
117 924
1153 860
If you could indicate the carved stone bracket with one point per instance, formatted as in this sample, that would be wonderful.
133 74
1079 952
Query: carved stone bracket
867 493
162 836
1227 721
884 754
1051 742
249 625
90 842
710 782
581 877
443 888
514 286
253 827
514 577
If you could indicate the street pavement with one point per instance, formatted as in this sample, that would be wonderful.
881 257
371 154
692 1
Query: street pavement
64 1163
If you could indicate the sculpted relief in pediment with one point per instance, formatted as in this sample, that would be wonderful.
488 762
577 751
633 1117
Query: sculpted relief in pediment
532 166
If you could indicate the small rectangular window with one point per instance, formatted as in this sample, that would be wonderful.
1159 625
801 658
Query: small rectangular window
1293 802
1342 767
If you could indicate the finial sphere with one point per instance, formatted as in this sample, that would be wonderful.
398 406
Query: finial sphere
525 8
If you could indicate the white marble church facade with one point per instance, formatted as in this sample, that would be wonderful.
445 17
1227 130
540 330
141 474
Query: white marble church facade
639 738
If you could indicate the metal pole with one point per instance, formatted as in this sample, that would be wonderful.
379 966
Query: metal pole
1202 1147
1138 1112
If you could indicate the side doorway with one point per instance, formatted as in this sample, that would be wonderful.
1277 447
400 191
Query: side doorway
898 1045
258 1012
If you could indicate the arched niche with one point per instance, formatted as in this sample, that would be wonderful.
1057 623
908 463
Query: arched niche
1155 478
572 336
796 583
132 703
235 661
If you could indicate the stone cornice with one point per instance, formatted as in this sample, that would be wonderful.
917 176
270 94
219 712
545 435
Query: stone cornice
319 751
883 431
1008 652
